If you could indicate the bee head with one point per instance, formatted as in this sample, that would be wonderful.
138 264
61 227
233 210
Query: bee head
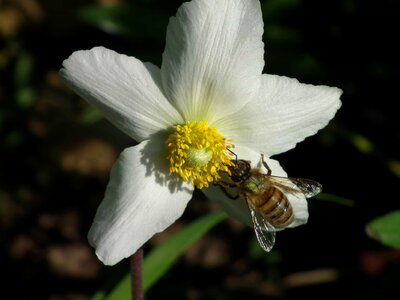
240 171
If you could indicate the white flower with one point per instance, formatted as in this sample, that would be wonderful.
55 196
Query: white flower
208 95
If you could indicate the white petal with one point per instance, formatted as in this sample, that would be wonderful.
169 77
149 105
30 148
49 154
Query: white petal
284 113
238 208
214 57
124 89
141 199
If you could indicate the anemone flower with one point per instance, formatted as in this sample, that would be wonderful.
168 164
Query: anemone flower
208 96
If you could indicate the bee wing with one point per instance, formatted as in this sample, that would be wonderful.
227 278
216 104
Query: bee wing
265 232
295 186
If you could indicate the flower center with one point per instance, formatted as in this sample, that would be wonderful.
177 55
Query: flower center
197 153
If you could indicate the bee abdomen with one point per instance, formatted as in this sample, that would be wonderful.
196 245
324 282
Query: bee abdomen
276 208
285 219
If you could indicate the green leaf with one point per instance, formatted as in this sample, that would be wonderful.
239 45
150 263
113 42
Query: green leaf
386 229
162 258
99 296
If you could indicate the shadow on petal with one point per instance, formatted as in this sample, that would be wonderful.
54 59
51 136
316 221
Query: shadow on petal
154 158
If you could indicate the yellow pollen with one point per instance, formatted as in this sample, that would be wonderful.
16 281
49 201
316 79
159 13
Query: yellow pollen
197 153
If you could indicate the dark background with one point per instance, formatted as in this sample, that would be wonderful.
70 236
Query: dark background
56 153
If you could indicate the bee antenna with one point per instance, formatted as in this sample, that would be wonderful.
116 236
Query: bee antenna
236 159
265 165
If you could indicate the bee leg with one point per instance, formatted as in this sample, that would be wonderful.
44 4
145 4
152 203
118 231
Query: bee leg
266 165
236 159
224 183
226 192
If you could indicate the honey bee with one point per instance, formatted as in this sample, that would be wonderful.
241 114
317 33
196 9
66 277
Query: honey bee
267 197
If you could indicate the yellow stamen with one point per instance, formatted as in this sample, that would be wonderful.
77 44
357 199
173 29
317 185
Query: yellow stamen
197 153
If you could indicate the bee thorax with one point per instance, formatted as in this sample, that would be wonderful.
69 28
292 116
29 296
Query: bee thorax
255 184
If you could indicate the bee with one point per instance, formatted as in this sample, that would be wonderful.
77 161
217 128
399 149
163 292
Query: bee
267 197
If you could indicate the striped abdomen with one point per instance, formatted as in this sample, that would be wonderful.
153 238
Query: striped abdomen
275 207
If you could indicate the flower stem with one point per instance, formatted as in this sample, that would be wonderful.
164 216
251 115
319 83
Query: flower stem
136 273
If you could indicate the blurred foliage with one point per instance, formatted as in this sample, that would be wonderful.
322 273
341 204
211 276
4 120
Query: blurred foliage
90 115
57 152
157 263
335 199
128 20
386 229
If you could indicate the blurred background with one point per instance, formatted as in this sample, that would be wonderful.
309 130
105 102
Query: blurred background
56 154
